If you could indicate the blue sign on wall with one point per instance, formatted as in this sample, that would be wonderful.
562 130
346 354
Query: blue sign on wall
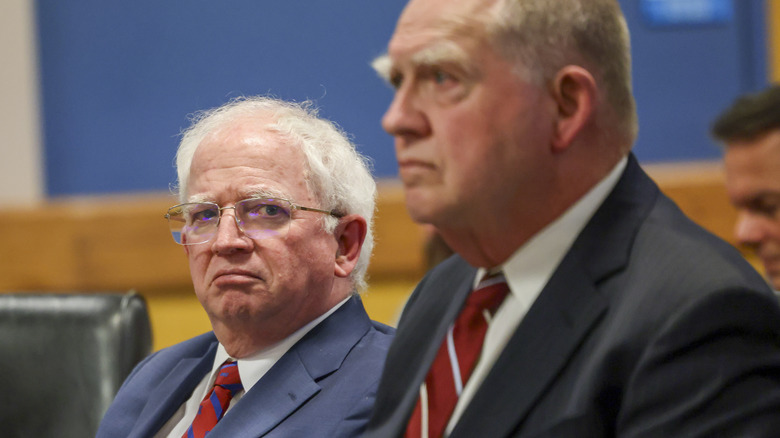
687 12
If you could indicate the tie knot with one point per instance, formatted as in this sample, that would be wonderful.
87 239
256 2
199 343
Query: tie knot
489 293
228 378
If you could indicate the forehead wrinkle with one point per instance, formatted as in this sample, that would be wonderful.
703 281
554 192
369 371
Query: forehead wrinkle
466 23
245 193
265 192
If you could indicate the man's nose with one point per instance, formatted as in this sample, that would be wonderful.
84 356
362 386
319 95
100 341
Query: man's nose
749 229
406 117
229 238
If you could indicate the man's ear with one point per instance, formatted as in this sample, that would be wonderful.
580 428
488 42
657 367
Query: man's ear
350 234
575 93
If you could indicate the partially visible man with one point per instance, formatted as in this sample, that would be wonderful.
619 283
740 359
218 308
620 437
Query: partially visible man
581 301
750 131
276 221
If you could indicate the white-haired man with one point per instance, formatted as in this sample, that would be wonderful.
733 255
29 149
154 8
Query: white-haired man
275 219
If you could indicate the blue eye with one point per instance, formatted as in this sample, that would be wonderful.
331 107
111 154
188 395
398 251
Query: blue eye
206 215
264 209
272 210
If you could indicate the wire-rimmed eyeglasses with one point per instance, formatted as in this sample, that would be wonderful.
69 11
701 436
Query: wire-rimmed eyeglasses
258 218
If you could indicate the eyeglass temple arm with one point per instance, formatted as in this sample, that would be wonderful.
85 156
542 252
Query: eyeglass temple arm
329 212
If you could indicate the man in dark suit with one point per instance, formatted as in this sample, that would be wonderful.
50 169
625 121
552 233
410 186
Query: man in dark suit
292 352
581 302
750 132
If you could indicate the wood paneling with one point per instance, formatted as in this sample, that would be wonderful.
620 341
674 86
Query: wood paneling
122 242
699 190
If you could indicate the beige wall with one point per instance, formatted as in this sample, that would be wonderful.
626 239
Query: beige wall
21 179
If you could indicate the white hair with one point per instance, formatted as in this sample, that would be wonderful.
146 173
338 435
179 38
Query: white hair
336 174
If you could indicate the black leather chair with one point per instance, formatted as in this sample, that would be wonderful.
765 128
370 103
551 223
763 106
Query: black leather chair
63 358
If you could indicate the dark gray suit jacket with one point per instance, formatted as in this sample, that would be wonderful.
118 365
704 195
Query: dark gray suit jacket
323 386
650 327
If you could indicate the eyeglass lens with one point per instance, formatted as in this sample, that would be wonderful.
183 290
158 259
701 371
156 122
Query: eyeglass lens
258 218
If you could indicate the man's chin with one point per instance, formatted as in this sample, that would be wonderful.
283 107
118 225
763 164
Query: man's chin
423 205
235 303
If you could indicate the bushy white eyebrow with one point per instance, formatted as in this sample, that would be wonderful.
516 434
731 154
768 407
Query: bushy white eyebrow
444 52
382 65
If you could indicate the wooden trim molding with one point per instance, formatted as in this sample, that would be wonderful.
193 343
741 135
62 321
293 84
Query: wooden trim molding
122 242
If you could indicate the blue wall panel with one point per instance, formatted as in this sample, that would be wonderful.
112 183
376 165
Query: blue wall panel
687 73
119 77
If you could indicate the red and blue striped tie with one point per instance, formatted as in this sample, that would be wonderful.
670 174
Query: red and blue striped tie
213 407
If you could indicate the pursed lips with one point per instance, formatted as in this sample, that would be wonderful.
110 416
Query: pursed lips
411 166
235 273
414 171
413 162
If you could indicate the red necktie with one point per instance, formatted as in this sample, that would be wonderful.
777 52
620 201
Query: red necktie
463 343
216 402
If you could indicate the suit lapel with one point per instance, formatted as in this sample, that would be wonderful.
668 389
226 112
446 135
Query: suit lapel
430 310
285 387
292 381
566 311
171 392
547 337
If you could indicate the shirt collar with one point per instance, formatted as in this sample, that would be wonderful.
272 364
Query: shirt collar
253 368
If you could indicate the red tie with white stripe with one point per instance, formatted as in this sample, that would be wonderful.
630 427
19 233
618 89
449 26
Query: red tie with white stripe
214 405
456 359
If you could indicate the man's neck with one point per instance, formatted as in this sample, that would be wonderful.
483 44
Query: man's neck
497 237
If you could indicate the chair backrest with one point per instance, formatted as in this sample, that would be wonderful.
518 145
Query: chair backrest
64 357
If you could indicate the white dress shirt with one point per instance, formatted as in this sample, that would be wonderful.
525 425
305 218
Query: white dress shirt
527 272
251 369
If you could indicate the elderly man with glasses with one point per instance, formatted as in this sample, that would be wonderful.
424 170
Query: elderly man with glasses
275 218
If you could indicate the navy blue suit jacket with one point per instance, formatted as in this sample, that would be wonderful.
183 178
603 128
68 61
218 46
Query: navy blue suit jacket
649 327
323 386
